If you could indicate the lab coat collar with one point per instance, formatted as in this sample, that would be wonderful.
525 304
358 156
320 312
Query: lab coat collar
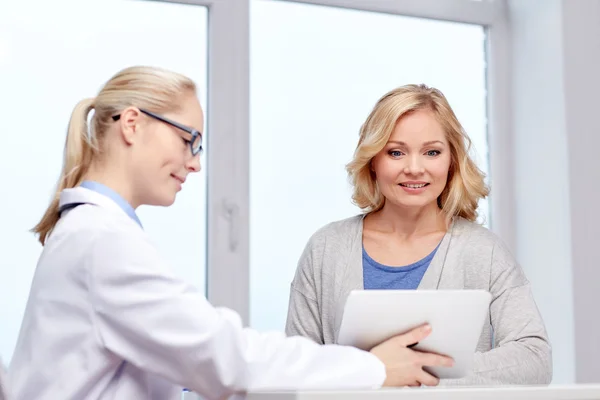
70 198
114 196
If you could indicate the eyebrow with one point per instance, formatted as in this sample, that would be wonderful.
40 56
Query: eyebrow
401 143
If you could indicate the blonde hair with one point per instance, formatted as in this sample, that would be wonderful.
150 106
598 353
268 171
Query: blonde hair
465 184
150 88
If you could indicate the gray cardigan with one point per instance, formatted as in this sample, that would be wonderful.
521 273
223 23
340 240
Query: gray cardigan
3 382
513 347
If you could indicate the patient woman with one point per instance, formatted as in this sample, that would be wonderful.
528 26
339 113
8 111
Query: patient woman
419 191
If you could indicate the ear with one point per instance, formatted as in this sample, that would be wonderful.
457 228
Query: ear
130 121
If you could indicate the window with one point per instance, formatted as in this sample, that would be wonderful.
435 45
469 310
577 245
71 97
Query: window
77 54
316 72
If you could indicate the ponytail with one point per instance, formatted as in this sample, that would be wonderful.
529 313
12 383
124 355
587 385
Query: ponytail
80 147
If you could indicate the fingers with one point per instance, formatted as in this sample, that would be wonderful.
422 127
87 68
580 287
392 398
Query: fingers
427 379
414 336
435 360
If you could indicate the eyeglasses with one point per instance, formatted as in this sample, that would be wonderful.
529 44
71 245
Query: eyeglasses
195 142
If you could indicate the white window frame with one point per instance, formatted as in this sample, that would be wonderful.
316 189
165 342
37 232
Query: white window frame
228 109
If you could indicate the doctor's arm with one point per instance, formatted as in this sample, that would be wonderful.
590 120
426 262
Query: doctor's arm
151 319
522 354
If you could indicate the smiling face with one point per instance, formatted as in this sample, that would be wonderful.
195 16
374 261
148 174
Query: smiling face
164 159
412 169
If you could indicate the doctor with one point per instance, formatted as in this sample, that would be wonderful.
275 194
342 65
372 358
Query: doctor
106 317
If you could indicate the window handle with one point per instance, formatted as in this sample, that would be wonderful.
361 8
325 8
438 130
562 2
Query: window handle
231 211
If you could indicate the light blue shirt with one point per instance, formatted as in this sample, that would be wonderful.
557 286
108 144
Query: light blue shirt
114 196
379 276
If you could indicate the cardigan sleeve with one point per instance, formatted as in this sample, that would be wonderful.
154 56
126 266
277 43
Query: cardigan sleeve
304 313
521 354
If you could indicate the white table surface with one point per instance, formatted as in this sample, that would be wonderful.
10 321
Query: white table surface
552 392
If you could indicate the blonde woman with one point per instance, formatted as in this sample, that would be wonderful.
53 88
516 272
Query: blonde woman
108 319
419 190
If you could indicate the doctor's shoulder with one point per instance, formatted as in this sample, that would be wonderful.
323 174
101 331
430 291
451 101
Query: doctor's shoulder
101 232
93 221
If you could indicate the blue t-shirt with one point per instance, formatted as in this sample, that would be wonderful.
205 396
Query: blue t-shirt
379 276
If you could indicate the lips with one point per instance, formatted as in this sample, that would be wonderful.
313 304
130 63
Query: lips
414 185
180 180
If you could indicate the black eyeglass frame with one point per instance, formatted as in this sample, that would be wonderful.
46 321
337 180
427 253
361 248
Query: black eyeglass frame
195 133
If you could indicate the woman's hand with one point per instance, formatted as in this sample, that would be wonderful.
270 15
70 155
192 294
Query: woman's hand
403 366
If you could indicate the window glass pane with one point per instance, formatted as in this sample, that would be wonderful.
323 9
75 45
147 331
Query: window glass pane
53 54
316 72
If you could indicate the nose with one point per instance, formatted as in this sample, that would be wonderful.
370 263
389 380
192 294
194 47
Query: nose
193 164
414 165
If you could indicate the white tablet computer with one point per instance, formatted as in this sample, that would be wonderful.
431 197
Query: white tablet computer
456 317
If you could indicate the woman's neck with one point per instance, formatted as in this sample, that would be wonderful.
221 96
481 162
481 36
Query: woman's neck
408 222
113 180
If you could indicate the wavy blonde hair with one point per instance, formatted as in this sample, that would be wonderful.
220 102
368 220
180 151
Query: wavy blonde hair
151 88
465 186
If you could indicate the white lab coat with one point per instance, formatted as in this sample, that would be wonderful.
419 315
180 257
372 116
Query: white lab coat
107 319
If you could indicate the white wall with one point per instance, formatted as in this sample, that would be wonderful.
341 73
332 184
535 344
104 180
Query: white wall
543 225
581 33
556 56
